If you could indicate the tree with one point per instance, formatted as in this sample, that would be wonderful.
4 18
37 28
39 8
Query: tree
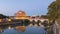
58 2
58 7
52 10
3 16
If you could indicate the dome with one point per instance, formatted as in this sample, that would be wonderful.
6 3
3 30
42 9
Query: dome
20 15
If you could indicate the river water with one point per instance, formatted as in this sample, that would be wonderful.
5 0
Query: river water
30 29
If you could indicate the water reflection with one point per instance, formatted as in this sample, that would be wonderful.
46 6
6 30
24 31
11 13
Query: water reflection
9 27
13 29
20 28
1 30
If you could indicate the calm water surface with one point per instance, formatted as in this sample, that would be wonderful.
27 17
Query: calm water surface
21 30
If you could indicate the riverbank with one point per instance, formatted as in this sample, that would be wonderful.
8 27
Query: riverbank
54 29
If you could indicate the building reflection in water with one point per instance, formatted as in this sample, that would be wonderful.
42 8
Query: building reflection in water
1 30
9 27
20 28
24 29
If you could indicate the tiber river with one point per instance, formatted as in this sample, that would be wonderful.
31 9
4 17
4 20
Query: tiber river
30 29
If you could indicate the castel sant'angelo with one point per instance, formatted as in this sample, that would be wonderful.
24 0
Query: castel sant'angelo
20 15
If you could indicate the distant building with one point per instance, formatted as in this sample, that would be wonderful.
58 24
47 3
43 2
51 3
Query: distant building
20 15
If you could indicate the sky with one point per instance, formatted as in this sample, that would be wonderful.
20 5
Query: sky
31 7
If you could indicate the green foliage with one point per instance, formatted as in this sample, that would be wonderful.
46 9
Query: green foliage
52 10
3 16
